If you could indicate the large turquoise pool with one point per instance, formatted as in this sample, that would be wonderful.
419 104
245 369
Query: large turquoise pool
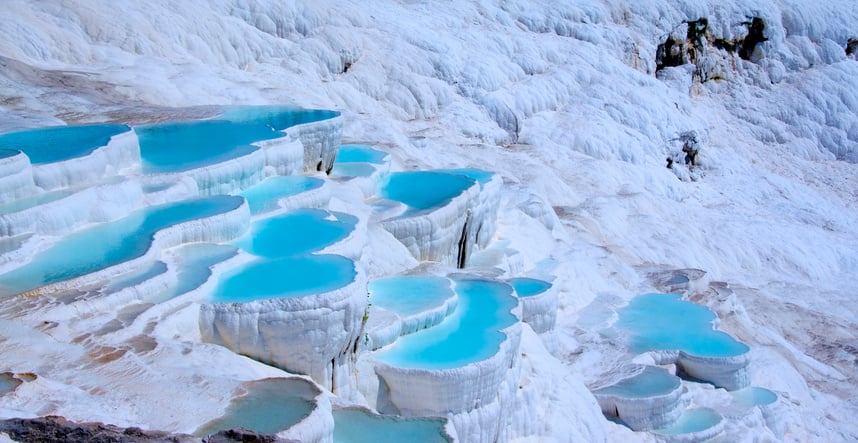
181 146
355 425
471 334
297 232
666 322
268 407
422 190
410 294
108 244
284 277
53 144
263 197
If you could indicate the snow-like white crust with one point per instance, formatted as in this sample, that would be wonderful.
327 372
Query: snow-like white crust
120 155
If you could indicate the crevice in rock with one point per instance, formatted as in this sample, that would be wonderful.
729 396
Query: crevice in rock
462 256
754 37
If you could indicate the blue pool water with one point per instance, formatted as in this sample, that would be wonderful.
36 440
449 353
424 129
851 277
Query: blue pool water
6 153
693 420
284 277
353 169
410 294
58 143
360 154
137 276
425 189
270 406
354 425
528 287
754 396
182 146
263 196
195 262
648 383
108 244
297 232
275 117
666 322
472 333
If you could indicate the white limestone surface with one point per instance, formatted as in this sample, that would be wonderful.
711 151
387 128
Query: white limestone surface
16 178
730 373
540 310
73 209
321 140
642 412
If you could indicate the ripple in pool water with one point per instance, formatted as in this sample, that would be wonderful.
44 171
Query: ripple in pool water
471 334
666 322
48 145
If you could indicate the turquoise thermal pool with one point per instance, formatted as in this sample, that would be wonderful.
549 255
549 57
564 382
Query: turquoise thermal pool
353 425
297 232
666 322
692 420
650 382
528 287
263 197
285 277
59 143
270 406
360 154
195 262
423 190
109 244
410 294
472 333
6 153
353 169
181 146
481 176
754 396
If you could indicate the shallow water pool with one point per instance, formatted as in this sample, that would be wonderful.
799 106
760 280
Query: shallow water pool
754 396
471 334
284 277
360 154
425 189
650 382
410 294
355 425
263 197
59 143
269 406
297 232
528 287
693 420
109 244
666 322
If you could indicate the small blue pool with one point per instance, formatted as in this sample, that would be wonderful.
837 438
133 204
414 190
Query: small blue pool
528 287
481 176
693 420
754 396
269 406
353 425
650 382
59 143
423 190
297 232
263 197
353 169
360 154
472 333
284 277
666 322
410 294
108 244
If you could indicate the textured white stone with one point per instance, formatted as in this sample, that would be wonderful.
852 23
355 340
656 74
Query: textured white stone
16 178
121 154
